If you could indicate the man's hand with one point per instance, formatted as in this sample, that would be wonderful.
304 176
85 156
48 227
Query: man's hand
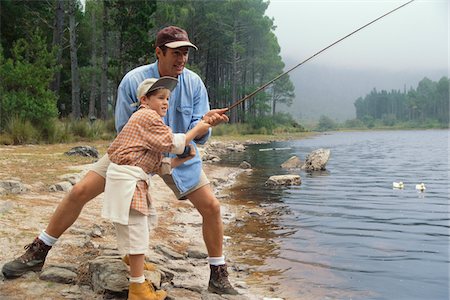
216 116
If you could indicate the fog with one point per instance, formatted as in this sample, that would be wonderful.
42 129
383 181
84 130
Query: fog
395 52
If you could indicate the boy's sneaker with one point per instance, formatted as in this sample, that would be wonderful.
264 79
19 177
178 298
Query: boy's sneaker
218 281
32 260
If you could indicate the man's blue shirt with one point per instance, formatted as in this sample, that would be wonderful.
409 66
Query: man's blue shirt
188 102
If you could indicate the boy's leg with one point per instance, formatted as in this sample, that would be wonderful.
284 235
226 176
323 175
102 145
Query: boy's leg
132 240
65 215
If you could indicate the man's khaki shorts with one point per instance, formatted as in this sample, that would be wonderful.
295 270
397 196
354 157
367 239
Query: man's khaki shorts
101 166
134 237
170 183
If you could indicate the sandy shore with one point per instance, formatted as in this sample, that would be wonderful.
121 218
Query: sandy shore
24 215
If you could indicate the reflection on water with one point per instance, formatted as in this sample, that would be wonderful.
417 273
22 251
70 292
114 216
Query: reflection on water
345 233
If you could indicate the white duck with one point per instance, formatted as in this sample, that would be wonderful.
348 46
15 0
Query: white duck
398 185
421 187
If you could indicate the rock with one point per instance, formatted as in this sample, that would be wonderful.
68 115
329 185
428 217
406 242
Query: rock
317 160
83 151
73 178
245 165
108 275
168 252
63 186
57 274
292 163
197 252
277 180
5 206
12 186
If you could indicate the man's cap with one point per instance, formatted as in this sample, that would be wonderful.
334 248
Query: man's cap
173 37
152 84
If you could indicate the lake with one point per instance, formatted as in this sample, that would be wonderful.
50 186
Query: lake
346 233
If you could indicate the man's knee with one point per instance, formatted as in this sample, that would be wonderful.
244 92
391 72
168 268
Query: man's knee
209 207
88 188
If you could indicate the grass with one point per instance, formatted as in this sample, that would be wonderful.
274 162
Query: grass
42 163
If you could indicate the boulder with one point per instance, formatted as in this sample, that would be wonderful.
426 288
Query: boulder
292 163
87 151
277 180
245 165
11 187
317 160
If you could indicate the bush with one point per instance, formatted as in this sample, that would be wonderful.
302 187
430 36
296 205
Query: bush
326 123
58 132
22 131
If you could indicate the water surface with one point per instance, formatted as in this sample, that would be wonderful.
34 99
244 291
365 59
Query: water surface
345 233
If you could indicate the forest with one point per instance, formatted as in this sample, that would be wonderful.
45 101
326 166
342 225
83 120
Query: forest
428 105
62 60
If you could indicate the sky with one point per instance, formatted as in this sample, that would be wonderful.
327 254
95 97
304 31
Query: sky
415 37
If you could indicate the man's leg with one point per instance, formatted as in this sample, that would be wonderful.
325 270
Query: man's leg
209 207
65 215
70 207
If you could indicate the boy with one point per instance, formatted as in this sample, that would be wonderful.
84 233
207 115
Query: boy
136 152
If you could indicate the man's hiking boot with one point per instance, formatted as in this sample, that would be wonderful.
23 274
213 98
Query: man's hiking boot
147 266
218 281
32 260
144 291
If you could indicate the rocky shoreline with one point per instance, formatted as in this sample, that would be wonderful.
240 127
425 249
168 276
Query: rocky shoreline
85 264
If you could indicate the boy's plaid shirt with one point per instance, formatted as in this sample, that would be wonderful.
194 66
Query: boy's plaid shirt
141 143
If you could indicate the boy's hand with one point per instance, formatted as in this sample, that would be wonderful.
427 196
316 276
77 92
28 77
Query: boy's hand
201 128
176 161
216 116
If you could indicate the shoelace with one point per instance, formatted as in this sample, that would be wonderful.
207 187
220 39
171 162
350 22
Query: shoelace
28 254
223 276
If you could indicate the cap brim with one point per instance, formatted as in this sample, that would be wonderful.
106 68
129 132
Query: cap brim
180 44
165 82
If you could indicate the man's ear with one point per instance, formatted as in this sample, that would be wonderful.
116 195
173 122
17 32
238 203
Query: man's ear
158 52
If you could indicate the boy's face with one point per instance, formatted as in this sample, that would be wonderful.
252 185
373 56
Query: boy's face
158 101
173 61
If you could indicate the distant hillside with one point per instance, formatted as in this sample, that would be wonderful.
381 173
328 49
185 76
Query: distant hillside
331 91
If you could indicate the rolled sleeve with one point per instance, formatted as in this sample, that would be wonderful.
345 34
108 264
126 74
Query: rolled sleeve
178 143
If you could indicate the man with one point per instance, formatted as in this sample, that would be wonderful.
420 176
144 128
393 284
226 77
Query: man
188 105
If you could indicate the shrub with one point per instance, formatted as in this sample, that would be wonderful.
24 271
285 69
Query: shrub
22 131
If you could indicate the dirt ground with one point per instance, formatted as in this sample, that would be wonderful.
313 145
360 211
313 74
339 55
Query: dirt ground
23 216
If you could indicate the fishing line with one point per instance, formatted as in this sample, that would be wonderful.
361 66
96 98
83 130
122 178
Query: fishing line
312 56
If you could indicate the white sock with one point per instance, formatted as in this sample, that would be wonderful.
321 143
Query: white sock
216 261
140 279
47 239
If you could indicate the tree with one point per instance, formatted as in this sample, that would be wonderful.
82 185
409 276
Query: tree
76 106
26 78
282 92
104 74
58 33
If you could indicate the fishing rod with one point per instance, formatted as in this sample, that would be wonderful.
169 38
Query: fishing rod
312 56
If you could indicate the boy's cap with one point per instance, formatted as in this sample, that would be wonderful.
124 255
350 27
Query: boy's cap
173 37
152 84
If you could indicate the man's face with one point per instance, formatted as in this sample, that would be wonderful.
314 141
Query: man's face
173 61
